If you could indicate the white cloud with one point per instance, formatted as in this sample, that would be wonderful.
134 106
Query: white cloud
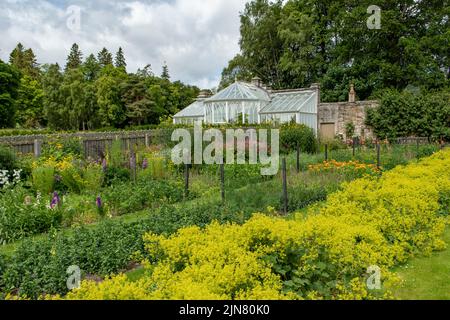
196 37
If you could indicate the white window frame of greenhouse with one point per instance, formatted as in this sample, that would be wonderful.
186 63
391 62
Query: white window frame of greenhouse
300 115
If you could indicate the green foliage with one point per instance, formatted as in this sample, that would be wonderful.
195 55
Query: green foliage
291 44
105 58
7 159
25 61
43 178
113 175
87 95
120 59
75 58
126 197
349 130
9 79
22 215
408 114
293 135
93 178
115 156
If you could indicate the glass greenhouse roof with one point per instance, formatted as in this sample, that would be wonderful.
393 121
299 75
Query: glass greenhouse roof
239 91
194 110
289 102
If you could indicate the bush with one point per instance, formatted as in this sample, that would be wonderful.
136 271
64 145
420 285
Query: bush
122 198
7 159
22 215
43 179
293 135
403 114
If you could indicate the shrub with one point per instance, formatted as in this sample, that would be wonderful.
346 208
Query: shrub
114 175
93 177
43 179
122 198
22 215
294 135
7 159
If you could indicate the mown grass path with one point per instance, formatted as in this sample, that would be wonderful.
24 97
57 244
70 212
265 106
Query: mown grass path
426 278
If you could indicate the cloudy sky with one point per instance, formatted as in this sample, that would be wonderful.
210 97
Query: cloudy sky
195 37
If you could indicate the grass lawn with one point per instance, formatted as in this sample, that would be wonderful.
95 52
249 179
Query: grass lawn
426 278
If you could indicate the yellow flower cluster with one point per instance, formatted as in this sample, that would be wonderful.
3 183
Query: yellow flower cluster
334 165
370 222
59 165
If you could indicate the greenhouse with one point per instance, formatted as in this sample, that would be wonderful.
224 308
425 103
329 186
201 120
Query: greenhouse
191 114
252 103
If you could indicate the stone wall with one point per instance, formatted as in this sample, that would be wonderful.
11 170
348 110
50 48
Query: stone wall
341 113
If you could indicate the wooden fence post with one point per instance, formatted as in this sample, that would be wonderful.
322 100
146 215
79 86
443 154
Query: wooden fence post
147 140
222 181
37 148
417 153
378 156
285 194
186 181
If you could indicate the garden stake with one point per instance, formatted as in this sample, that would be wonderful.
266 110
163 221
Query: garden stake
186 181
222 181
354 146
378 156
298 159
285 194
326 152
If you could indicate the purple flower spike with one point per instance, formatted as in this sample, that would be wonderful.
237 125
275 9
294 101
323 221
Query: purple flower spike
55 200
99 202
145 164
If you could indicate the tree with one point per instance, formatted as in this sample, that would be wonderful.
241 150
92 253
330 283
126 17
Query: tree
261 47
137 103
9 80
120 59
30 103
294 43
105 58
165 73
111 108
73 91
403 114
25 61
75 58
236 70
53 97
91 68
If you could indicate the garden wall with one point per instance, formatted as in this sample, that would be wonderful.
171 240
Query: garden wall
333 118
93 143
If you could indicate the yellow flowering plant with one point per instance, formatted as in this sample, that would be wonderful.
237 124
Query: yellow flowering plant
373 221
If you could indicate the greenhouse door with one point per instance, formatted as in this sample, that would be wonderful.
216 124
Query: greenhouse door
327 131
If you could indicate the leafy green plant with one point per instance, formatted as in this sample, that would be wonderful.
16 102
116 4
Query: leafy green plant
295 135
7 159
93 178
115 154
22 215
43 179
